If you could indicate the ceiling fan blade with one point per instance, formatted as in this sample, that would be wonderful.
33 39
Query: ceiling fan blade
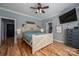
33 7
45 7
42 11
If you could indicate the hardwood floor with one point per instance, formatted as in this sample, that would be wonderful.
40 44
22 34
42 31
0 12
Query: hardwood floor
23 49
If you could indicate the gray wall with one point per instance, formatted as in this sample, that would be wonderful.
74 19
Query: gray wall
55 20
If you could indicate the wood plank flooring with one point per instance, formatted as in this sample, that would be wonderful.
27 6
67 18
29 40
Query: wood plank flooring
23 49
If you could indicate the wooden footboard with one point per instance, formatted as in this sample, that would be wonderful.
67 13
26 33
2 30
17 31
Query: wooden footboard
40 41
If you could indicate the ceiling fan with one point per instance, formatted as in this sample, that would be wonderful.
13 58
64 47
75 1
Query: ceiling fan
39 8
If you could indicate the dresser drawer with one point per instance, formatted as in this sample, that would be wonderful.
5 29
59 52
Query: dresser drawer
75 34
75 45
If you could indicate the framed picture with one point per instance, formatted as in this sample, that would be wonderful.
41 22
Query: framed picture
58 29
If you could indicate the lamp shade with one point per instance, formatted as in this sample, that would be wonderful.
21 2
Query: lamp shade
41 30
18 31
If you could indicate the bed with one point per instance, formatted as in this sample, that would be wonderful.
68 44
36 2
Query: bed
36 39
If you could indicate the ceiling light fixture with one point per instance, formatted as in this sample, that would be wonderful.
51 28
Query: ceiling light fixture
39 8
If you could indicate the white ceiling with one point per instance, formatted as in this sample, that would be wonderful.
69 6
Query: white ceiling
24 8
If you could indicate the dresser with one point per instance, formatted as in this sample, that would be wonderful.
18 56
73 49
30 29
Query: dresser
72 37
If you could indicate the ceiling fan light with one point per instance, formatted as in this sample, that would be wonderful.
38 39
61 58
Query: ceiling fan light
37 10
40 10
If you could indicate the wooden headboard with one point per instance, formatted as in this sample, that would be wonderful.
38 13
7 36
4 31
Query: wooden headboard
30 27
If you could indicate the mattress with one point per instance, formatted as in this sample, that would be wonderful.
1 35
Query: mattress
28 35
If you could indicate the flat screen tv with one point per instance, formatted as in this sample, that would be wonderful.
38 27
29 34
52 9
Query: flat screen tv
68 17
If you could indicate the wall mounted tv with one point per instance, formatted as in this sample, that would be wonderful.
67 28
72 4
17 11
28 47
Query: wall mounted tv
68 17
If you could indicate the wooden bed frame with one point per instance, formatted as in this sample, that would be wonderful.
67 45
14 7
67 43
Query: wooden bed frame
39 41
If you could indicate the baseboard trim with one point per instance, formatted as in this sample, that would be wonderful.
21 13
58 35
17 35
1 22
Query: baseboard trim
59 41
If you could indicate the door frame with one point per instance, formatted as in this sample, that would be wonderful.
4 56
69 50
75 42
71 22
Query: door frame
15 40
47 26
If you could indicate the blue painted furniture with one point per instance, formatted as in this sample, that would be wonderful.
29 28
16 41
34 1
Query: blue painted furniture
72 37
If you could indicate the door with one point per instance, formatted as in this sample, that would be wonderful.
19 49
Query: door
49 27
10 30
